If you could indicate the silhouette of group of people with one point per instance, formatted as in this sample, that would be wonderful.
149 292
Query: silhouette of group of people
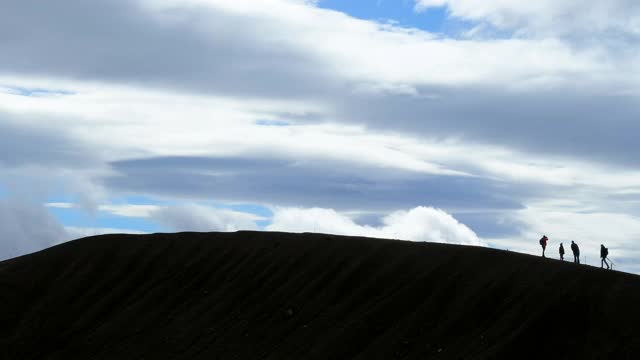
604 252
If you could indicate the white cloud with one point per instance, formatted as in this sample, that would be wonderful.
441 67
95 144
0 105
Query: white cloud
359 52
60 205
589 226
126 210
202 218
419 224
385 56
111 119
546 16
26 227
366 55
131 210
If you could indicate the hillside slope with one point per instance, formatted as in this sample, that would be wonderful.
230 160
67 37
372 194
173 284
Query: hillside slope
251 295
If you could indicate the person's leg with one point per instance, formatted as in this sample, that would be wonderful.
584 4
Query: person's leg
606 262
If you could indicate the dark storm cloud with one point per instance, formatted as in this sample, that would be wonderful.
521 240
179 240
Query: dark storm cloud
307 184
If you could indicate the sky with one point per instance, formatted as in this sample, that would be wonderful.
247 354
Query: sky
477 122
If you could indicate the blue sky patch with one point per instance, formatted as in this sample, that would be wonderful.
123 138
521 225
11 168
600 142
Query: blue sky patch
401 12
435 20
36 92
80 218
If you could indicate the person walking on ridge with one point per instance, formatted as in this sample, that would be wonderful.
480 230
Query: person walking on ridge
576 252
604 252
543 243
561 250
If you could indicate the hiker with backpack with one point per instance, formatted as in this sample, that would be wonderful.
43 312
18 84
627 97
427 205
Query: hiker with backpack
576 252
604 252
543 243
561 250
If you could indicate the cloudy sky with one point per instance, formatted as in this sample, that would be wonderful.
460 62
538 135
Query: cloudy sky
483 122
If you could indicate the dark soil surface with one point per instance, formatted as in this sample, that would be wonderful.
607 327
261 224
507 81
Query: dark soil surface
252 295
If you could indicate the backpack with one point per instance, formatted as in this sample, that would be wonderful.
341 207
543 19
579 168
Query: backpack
606 252
543 241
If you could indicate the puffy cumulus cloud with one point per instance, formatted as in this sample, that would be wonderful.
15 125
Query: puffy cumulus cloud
25 227
418 224
202 218
546 16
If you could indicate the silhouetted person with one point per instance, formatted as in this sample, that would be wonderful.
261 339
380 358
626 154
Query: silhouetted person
561 250
543 243
576 252
604 252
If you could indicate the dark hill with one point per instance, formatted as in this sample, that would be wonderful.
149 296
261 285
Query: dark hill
251 295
